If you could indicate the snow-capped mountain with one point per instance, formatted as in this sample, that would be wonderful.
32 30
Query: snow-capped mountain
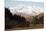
26 10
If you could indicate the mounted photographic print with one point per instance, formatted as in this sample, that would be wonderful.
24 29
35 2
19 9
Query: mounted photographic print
24 14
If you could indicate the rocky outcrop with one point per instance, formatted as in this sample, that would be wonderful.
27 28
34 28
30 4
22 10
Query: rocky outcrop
39 19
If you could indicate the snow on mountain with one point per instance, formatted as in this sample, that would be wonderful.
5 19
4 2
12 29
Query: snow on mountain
26 10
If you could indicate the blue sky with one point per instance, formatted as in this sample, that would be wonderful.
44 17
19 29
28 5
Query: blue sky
12 3
30 0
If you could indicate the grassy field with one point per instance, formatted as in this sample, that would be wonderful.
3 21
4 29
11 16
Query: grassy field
31 26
